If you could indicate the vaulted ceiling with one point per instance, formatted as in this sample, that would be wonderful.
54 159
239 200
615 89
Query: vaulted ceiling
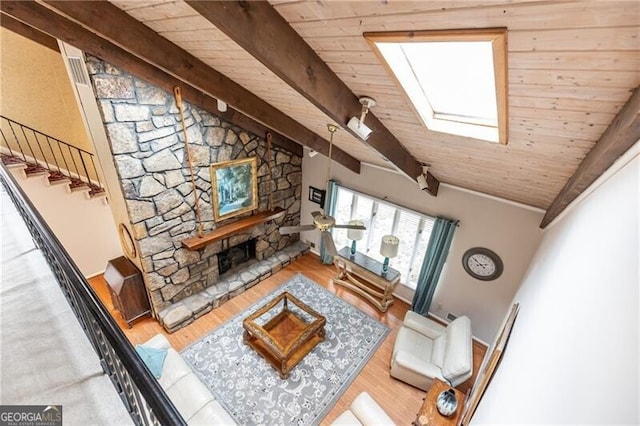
294 66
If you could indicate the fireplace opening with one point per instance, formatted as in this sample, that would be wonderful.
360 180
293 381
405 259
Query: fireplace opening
234 256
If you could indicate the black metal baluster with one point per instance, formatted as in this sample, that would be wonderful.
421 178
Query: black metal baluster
84 166
26 139
56 175
44 157
24 157
77 178
55 160
66 165
6 142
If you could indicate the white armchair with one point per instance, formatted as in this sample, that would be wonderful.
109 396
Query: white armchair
425 350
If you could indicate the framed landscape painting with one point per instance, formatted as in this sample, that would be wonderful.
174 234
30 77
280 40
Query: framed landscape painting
235 187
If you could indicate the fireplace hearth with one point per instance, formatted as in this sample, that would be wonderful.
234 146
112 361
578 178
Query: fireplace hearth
236 255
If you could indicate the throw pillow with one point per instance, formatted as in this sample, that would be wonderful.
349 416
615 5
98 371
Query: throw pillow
153 358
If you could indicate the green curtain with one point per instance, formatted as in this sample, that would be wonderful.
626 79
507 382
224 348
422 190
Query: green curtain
330 208
434 259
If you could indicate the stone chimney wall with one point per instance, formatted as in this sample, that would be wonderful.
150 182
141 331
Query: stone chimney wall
143 125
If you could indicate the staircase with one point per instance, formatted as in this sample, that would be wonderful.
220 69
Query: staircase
59 343
39 154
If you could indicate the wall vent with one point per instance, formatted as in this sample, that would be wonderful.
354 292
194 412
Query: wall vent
451 317
76 65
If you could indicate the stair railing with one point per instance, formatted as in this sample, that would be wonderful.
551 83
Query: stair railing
44 153
141 394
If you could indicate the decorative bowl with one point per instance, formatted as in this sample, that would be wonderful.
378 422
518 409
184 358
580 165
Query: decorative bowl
447 403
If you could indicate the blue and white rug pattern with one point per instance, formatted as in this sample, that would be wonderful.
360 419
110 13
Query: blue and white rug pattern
251 390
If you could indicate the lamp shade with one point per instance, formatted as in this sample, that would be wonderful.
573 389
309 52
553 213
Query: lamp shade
389 246
355 234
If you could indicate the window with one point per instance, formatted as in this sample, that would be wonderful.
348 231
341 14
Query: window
456 80
383 218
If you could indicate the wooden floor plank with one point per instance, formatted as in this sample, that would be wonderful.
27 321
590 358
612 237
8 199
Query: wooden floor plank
398 399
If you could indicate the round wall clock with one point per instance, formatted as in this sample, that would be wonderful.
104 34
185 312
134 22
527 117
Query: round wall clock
482 263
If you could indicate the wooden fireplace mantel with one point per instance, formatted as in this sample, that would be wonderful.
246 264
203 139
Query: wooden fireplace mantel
221 232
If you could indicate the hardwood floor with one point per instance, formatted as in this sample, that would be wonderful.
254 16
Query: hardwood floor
398 399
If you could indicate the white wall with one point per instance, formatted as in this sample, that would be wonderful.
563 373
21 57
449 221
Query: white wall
574 351
84 226
510 230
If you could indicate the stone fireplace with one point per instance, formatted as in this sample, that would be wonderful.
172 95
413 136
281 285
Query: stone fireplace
237 255
145 134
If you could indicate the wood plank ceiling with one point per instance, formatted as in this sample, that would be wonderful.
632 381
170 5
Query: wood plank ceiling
572 67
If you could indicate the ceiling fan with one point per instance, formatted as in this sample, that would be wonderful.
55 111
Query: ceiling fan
322 221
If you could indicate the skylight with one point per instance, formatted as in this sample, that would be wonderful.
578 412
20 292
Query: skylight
456 81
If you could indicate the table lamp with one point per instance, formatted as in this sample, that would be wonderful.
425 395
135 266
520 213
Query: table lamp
388 248
355 234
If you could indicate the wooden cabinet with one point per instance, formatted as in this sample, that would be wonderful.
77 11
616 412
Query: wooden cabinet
127 290
429 415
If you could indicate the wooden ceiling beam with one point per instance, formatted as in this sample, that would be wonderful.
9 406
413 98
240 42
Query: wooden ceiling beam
88 42
621 134
287 55
118 28
29 32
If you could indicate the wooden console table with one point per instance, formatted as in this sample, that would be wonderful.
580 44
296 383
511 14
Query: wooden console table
364 275
429 414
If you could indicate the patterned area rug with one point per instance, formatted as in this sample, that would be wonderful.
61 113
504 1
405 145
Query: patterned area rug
251 390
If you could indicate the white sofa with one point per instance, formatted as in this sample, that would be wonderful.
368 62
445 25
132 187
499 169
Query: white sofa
191 397
364 410
425 350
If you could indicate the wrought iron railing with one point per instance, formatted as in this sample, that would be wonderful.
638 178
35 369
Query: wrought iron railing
140 392
43 153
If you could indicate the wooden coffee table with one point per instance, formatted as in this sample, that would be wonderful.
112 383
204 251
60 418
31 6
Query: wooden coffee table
283 331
